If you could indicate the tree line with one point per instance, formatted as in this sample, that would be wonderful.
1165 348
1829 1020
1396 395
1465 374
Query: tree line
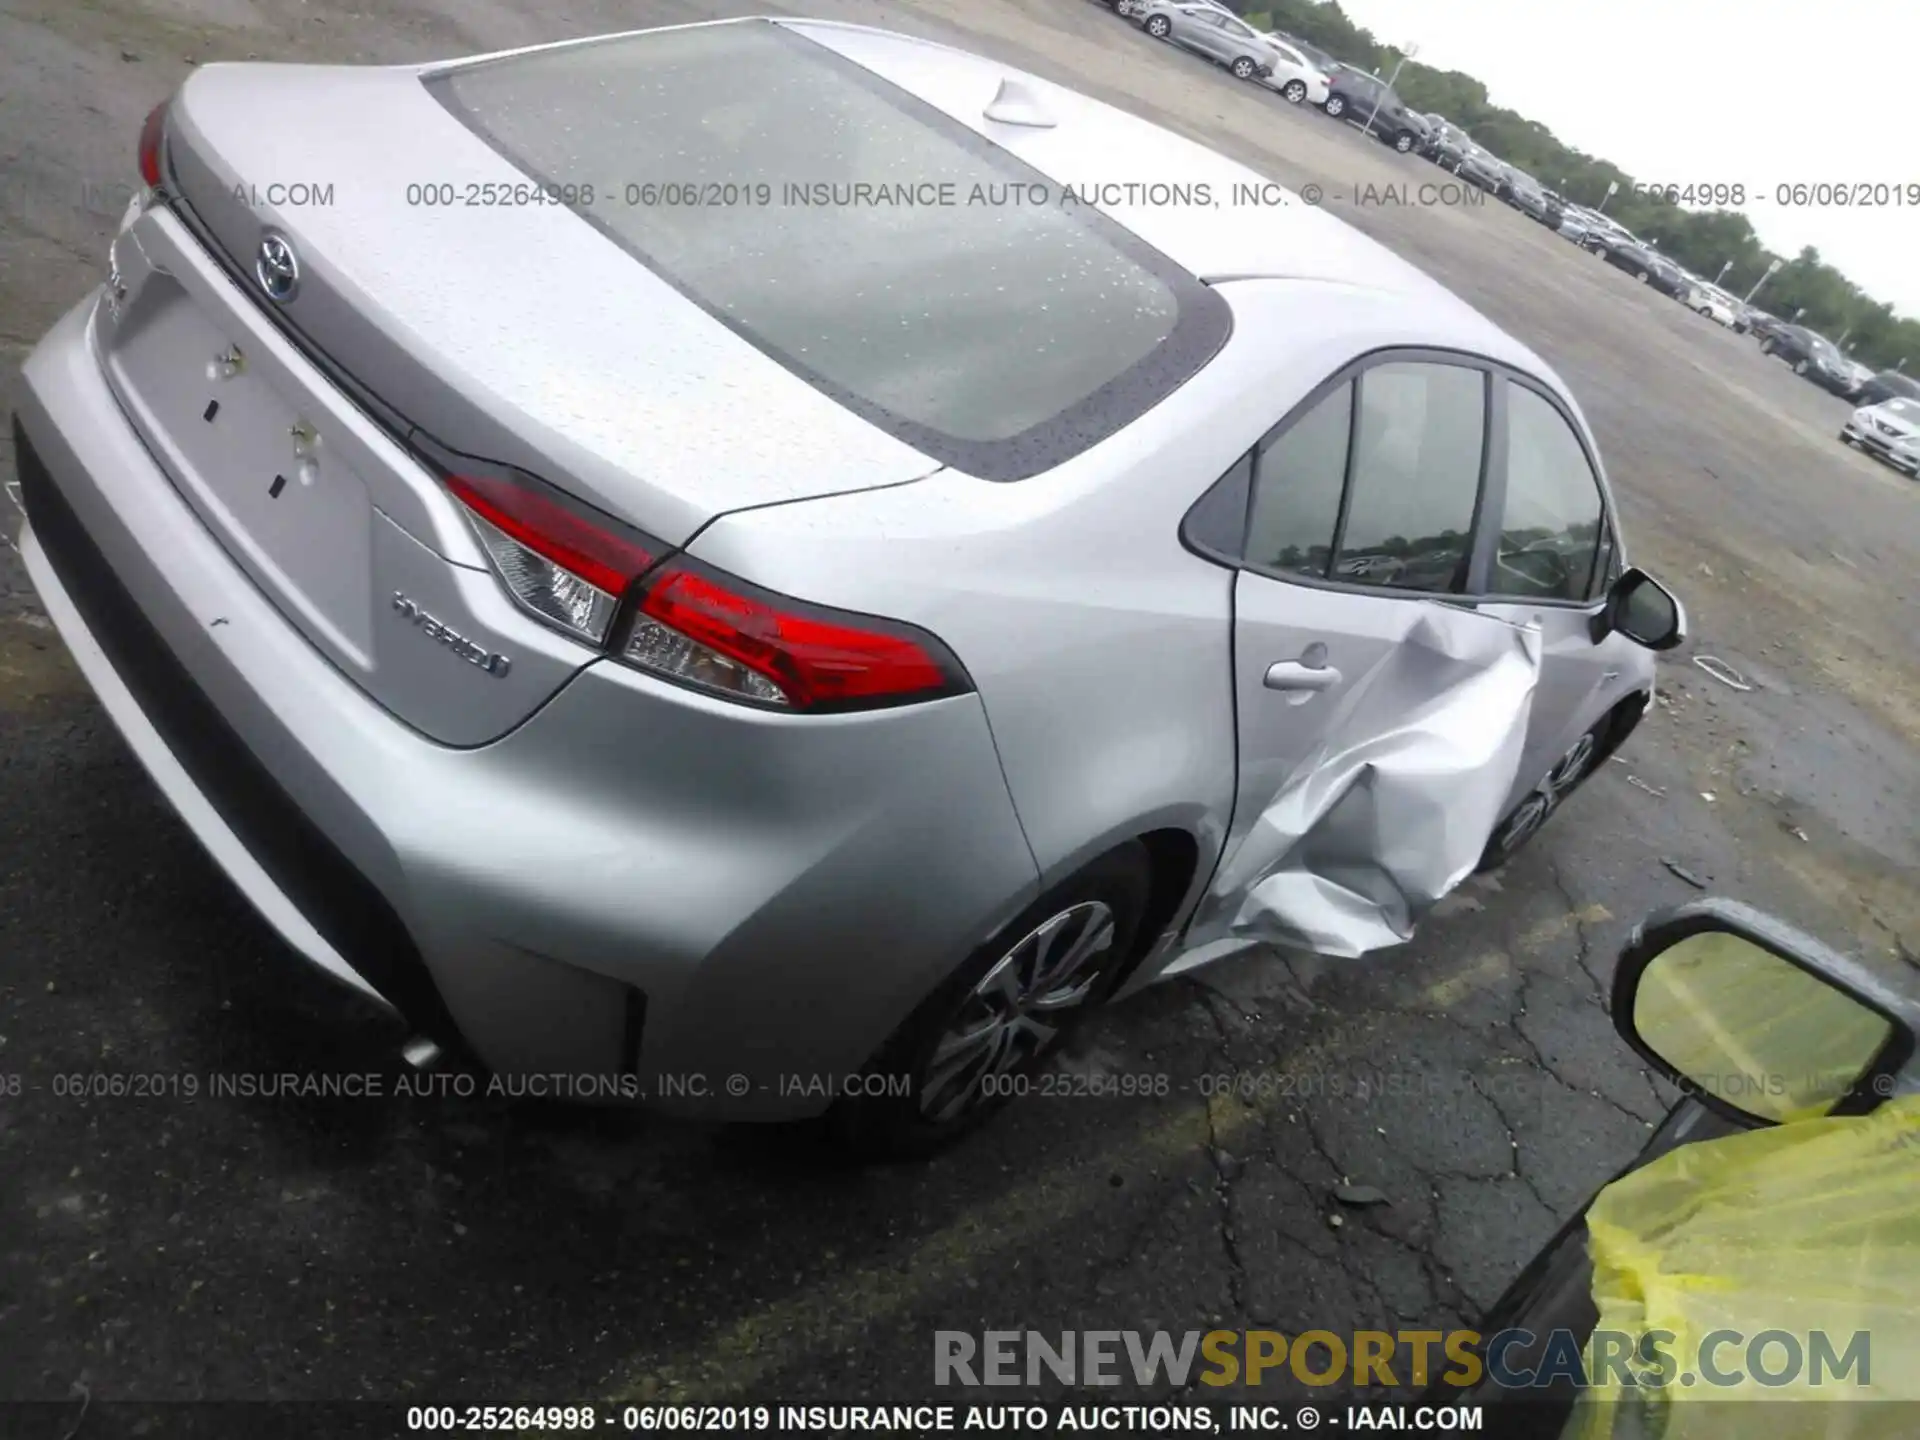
1703 240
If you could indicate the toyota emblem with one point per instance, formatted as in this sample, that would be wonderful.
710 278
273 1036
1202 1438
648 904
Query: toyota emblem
277 268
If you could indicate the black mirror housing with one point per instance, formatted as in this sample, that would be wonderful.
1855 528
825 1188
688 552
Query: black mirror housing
1666 930
1642 609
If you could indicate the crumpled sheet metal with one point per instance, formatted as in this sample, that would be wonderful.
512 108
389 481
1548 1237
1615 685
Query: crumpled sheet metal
1395 807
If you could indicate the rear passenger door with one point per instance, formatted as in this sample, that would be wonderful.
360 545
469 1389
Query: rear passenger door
1207 31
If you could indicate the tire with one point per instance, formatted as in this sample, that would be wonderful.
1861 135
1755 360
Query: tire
1101 905
1403 142
1159 26
1243 67
1641 276
1766 347
1336 106
1799 367
1568 774
1706 311
1294 91
1845 438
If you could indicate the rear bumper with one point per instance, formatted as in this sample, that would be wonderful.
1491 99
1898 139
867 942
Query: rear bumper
639 889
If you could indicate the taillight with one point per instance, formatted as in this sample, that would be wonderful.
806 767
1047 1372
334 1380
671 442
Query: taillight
560 564
710 630
152 134
576 568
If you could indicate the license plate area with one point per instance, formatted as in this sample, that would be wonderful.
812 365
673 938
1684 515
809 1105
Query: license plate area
253 462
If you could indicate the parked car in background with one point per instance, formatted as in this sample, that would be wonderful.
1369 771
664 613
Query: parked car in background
1297 79
1813 357
1367 101
1577 224
1480 168
1447 144
1603 232
1714 303
1763 326
1886 385
1208 30
1861 375
1888 430
1312 54
1528 196
1647 266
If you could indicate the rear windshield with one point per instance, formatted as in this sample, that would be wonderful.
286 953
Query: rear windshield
920 275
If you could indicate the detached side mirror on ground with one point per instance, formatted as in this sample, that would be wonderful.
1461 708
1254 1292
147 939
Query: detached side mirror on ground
1757 1021
1645 611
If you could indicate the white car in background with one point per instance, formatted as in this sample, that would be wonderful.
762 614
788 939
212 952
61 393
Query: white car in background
1714 303
1889 431
1297 78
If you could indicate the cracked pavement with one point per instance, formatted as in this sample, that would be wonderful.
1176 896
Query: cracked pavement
168 1248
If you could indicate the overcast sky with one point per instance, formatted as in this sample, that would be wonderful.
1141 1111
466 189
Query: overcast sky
1749 92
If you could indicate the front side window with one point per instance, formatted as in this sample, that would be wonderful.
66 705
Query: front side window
1551 528
1419 442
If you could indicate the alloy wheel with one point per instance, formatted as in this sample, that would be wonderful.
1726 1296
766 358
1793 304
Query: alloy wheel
1017 1008
1295 92
1158 27
1561 781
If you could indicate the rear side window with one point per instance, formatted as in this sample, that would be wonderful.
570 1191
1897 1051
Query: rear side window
1551 526
1419 442
1296 492
867 242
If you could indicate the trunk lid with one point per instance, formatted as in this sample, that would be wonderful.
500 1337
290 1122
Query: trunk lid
435 295
437 276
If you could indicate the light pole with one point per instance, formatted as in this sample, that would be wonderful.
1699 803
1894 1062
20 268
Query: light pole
1723 272
1408 54
1773 268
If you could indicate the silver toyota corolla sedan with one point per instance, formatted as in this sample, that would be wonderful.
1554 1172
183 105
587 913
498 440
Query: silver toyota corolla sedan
779 563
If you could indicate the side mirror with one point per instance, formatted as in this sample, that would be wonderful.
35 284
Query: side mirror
1756 1020
1645 611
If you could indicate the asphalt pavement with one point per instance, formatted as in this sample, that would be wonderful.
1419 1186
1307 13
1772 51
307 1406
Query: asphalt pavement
190 1240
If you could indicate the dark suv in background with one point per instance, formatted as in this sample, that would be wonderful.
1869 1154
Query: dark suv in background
1366 101
1813 357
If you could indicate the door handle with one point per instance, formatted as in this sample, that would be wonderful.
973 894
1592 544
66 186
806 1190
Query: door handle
1292 675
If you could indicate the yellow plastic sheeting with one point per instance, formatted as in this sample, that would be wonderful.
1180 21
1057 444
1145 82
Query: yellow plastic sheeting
1811 1229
